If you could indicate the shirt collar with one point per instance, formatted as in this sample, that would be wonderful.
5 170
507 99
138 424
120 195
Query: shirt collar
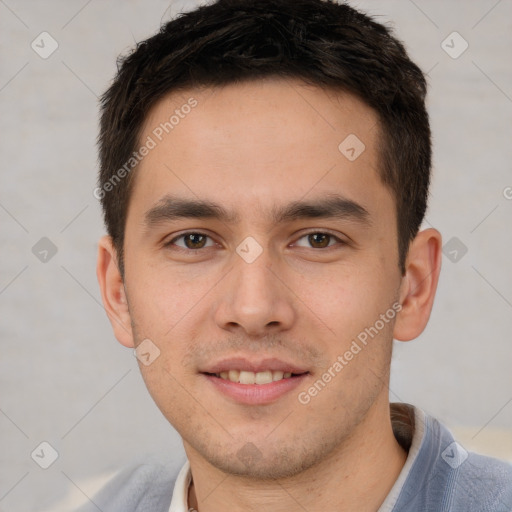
410 429
179 502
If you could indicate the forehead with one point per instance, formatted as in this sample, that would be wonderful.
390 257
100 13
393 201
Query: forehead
269 139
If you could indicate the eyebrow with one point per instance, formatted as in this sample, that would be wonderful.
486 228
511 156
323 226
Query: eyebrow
170 208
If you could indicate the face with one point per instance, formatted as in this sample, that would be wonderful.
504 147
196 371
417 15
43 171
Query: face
256 248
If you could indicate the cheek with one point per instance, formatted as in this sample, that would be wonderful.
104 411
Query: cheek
172 393
348 299
162 299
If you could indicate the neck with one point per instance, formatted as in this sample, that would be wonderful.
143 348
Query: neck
356 476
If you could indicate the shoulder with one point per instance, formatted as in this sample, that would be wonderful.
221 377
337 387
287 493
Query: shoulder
472 482
483 483
440 474
145 487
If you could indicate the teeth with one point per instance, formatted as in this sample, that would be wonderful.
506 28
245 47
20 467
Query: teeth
233 375
265 377
247 377
277 375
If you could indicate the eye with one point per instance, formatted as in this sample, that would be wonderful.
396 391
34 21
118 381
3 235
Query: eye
191 241
318 240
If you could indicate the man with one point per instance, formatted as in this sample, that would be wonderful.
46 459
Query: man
264 175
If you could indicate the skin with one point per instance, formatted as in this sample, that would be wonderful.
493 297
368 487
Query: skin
253 147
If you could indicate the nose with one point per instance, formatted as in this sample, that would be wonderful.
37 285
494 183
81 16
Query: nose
255 299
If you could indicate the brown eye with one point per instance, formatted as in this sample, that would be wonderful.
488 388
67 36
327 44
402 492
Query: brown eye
318 240
191 240
194 241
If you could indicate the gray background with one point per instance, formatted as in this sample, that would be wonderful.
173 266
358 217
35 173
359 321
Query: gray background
65 379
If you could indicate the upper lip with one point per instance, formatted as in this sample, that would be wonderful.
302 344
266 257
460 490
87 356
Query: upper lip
243 364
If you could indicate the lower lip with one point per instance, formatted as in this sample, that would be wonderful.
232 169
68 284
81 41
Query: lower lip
256 394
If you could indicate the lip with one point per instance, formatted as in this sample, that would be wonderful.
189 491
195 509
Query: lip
255 394
243 364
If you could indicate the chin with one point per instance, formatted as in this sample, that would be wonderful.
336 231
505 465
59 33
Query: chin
275 468
269 463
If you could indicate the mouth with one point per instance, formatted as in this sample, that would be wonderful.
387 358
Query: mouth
251 383
258 378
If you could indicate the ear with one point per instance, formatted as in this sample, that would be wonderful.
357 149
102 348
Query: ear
419 284
113 292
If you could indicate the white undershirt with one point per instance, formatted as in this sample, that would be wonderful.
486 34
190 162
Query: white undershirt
179 502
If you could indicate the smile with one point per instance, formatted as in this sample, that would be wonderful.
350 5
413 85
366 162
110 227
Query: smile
246 377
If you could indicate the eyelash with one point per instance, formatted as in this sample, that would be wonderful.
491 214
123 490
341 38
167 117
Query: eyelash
184 249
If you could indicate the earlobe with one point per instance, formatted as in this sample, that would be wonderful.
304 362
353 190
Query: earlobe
419 284
113 292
